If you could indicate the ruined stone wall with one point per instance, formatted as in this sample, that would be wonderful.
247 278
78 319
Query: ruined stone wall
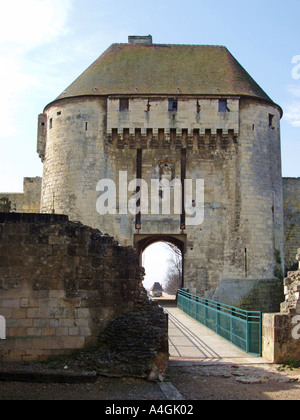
66 287
291 202
27 202
281 331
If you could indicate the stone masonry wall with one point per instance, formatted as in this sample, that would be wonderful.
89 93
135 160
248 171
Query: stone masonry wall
238 246
281 332
291 203
27 202
66 287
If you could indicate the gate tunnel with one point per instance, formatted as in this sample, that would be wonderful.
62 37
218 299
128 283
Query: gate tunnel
141 242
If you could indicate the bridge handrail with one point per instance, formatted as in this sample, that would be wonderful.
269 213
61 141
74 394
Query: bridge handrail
242 328
221 306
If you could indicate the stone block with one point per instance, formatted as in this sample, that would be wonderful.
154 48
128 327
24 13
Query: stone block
23 343
82 313
72 342
57 293
74 331
27 303
48 332
61 331
70 303
41 323
33 313
34 332
10 303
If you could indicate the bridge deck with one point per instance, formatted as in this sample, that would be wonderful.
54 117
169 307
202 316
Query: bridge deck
190 341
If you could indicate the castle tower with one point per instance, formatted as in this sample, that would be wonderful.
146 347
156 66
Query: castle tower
174 112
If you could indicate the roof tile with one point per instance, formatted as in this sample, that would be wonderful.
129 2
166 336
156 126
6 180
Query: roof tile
158 69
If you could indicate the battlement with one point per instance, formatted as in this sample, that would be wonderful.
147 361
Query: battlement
149 138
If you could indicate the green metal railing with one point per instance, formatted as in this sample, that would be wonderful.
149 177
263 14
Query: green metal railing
241 328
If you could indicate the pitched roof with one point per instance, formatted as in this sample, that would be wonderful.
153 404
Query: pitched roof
158 69
156 287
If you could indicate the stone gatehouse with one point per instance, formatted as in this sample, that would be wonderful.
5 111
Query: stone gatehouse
176 112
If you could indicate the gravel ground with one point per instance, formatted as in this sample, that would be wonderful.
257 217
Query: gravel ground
194 382
103 389
232 382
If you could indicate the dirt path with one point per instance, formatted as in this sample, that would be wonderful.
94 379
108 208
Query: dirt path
236 382
193 381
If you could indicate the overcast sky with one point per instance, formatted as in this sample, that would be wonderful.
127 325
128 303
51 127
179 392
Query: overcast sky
155 261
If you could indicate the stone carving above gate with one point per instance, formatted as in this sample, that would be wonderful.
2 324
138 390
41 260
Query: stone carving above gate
166 170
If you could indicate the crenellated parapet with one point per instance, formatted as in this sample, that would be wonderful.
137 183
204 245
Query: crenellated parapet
153 138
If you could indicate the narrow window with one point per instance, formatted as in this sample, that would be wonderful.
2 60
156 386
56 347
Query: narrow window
124 105
148 106
126 135
161 134
271 120
59 113
50 123
173 105
114 133
173 134
86 126
223 106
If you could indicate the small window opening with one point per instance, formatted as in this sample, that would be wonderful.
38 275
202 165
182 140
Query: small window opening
43 124
126 135
50 123
124 104
148 106
198 107
114 133
223 106
173 134
161 134
86 126
173 105
59 113
271 120
149 133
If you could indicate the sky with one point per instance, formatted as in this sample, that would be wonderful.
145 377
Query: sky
155 262
46 44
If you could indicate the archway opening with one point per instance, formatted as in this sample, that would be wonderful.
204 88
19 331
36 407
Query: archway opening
163 263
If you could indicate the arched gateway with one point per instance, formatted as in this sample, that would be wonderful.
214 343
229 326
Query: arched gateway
141 242
183 119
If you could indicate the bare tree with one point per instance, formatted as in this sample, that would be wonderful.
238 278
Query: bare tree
173 278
